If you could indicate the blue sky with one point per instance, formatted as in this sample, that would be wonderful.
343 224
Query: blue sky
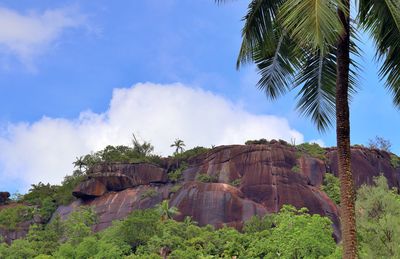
69 75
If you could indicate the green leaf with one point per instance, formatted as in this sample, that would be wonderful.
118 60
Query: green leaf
313 23
258 29
382 20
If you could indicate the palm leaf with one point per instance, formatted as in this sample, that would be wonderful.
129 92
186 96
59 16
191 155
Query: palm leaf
277 68
313 23
258 28
317 80
382 19
317 93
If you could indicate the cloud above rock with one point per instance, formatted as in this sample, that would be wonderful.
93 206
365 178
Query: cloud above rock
44 150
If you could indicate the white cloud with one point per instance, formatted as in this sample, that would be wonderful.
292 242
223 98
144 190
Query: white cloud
28 35
44 150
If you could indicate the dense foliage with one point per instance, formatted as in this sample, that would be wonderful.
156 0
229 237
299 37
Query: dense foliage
151 233
378 220
312 149
187 154
331 186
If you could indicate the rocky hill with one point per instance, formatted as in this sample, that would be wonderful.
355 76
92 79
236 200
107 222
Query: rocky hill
226 184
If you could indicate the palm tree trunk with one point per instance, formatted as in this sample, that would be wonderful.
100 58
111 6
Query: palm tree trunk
347 193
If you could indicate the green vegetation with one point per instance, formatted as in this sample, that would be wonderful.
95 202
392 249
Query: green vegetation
236 182
190 153
394 161
205 178
331 186
176 175
143 234
149 193
262 141
10 217
378 220
178 144
165 211
296 169
150 233
175 188
312 149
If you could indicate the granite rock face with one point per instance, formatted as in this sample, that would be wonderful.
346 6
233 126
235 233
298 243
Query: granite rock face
215 204
117 177
366 164
247 180
4 197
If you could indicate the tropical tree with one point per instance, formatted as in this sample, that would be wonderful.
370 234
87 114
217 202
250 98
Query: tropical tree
178 144
165 211
144 149
310 45
79 162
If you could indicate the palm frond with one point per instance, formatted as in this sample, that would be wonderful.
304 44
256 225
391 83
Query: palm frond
317 93
258 28
313 23
277 69
382 20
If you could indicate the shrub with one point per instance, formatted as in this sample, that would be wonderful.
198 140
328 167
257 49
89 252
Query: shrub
236 182
176 175
296 169
205 178
10 217
378 220
262 141
331 186
175 188
149 193
196 151
394 161
312 149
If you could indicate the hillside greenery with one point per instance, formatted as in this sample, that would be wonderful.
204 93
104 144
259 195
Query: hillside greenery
291 233
144 234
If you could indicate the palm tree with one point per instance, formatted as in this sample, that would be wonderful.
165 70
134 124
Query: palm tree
307 44
178 144
79 162
165 211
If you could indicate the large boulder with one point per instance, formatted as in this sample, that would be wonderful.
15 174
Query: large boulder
108 177
4 196
366 164
215 204
117 205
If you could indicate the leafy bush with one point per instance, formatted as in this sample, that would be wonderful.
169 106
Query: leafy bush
236 182
63 195
176 175
262 141
289 233
175 188
10 217
149 193
331 186
296 169
378 220
312 149
394 161
79 225
205 178
190 153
